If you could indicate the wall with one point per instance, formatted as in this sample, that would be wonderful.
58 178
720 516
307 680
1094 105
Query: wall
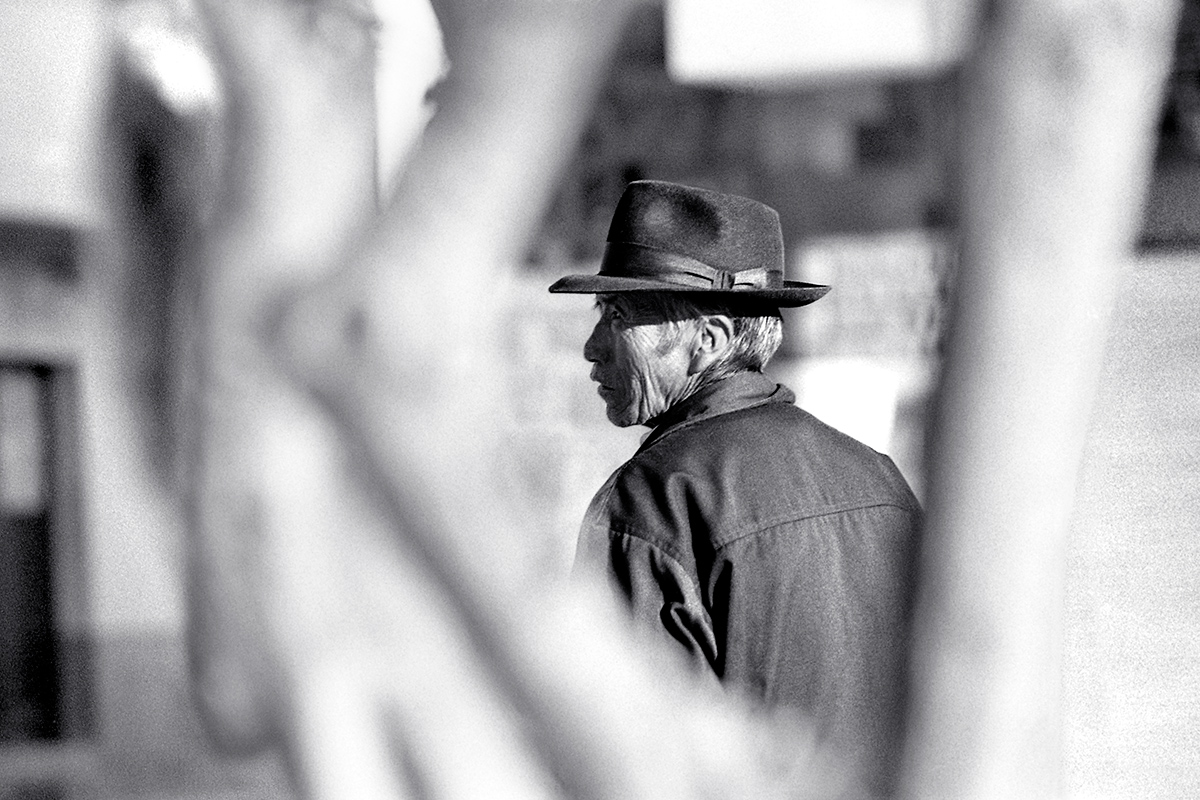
1133 611
71 294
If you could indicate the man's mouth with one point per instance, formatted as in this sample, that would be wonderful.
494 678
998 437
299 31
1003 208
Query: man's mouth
603 389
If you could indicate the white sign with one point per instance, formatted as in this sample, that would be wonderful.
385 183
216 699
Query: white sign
782 42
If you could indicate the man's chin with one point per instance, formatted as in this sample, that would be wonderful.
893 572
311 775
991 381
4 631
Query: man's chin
622 417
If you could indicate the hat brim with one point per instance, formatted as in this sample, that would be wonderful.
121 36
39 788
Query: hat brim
790 295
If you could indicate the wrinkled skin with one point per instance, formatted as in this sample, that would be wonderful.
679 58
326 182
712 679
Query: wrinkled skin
642 363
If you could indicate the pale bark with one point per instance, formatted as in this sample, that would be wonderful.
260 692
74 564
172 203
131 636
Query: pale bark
1060 108
364 597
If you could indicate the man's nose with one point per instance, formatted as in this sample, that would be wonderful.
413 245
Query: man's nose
593 349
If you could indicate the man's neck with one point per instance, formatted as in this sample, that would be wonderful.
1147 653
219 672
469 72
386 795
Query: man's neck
705 385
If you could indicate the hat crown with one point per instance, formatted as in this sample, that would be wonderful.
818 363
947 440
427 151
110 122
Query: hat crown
666 237
724 231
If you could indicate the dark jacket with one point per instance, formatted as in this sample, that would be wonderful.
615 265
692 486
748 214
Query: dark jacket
775 549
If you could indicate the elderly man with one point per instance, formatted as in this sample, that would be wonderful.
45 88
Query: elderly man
773 549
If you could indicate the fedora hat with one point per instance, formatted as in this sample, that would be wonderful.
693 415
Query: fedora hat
666 237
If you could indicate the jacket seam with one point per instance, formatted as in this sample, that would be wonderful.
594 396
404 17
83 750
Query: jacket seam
622 530
805 517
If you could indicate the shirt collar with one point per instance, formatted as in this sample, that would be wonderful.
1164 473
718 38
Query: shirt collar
742 390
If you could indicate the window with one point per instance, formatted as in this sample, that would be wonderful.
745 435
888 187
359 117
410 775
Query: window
42 670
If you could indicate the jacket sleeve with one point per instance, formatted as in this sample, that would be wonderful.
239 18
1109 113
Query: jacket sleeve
661 594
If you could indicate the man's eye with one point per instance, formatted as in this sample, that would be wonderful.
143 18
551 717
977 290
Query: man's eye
610 314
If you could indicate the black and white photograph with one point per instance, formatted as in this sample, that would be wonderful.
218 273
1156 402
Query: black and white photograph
599 399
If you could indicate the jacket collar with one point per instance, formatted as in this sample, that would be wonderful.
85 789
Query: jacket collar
743 390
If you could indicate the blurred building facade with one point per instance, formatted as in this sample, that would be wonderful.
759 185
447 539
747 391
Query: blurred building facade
93 691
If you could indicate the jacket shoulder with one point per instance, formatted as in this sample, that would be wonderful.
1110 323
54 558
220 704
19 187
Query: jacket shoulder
780 455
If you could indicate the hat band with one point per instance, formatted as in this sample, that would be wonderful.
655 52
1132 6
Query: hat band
628 260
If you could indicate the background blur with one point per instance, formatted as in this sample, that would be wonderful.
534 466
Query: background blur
93 691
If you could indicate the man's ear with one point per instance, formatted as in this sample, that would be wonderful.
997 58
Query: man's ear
712 342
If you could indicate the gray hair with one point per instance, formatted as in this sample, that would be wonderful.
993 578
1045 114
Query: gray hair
757 327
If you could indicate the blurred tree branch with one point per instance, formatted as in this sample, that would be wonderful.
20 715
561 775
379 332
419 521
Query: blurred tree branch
362 595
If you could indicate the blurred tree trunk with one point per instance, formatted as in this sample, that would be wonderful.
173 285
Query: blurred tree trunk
1061 104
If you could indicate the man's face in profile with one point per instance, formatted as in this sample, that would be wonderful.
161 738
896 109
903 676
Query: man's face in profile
637 358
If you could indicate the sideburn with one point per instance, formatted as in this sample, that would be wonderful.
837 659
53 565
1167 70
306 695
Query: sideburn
673 333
